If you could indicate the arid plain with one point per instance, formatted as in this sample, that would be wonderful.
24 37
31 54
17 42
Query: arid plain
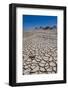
40 52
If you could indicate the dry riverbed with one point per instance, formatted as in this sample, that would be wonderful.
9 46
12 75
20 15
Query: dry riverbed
40 52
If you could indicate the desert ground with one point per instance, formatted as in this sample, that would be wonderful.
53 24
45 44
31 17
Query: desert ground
40 52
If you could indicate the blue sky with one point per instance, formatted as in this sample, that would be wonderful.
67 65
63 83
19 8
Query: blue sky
32 21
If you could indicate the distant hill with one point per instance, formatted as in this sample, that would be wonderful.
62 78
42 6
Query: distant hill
46 28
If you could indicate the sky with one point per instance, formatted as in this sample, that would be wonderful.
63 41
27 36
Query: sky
32 21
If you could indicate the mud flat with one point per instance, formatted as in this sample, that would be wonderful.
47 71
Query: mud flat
40 52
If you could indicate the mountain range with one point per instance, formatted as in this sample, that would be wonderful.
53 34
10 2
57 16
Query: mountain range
47 27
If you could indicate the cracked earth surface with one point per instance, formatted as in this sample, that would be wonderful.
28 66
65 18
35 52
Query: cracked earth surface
40 52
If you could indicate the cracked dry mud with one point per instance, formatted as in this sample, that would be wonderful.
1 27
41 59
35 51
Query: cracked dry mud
40 52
